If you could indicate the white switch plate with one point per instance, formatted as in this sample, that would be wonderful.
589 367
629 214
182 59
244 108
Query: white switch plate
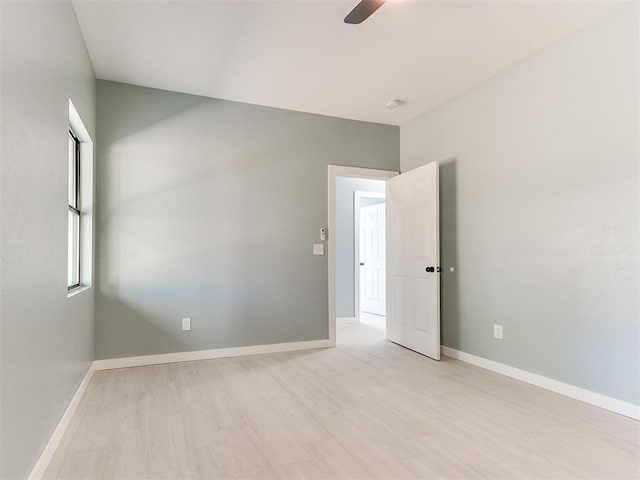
318 249
186 324
497 331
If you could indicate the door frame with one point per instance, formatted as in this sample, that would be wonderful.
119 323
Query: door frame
357 195
334 171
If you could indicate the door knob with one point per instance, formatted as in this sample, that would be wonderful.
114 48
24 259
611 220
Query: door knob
431 269
362 264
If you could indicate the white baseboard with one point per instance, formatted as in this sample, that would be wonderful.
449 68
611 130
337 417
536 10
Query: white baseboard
110 363
599 400
47 454
346 319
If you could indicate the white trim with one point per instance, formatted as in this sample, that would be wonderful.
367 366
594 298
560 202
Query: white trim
357 196
347 319
357 172
76 291
124 362
77 124
47 454
593 398
334 171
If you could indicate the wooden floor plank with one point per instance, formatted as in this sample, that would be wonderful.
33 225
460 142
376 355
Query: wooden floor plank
366 409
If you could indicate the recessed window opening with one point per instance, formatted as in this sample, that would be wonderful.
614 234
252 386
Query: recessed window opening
80 205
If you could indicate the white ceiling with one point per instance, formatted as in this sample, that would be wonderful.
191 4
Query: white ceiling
299 55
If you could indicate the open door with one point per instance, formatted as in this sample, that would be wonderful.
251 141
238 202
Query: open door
413 259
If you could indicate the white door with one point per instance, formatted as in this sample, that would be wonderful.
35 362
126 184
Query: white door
372 259
413 253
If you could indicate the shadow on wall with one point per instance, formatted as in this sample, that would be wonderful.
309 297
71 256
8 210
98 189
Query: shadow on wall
207 209
449 293
146 334
148 107
139 321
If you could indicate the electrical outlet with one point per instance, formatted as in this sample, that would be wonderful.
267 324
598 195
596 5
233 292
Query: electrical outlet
186 324
497 331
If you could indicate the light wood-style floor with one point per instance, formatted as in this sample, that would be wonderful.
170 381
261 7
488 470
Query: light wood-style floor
366 409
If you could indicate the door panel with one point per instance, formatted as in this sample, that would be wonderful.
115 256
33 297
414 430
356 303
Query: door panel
413 295
400 311
421 227
420 303
372 259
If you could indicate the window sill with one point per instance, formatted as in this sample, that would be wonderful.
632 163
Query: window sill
76 291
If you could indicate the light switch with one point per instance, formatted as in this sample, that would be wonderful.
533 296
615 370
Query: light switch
497 331
186 324
318 249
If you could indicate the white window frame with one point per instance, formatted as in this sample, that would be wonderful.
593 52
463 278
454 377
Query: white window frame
75 209
85 206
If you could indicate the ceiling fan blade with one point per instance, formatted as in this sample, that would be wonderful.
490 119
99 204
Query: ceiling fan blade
362 11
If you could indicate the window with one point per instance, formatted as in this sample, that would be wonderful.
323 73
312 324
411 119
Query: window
75 213
80 209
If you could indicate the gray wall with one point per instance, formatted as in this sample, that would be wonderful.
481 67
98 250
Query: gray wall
539 210
46 341
345 246
208 209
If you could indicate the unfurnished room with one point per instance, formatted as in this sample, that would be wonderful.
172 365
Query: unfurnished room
319 239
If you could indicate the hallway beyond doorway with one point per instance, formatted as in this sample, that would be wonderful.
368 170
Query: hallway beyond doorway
379 322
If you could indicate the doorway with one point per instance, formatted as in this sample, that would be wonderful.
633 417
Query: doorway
412 254
345 285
